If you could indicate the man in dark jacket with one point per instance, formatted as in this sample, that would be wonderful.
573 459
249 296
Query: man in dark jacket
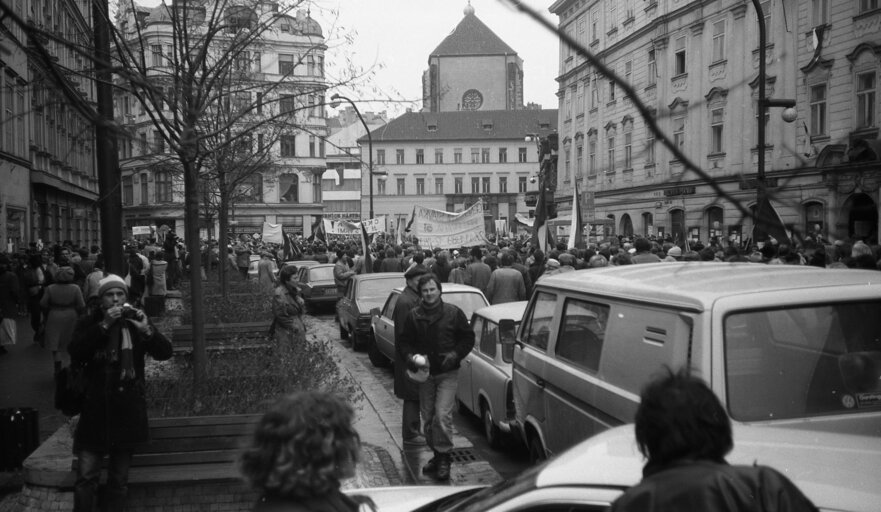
439 332
111 345
405 388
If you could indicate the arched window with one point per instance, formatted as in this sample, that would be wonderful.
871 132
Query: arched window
714 222
289 188
626 226
677 225
814 217
648 224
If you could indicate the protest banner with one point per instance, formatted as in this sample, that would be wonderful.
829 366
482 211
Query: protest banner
272 233
446 230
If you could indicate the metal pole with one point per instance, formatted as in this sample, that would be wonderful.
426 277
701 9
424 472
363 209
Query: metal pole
369 146
758 231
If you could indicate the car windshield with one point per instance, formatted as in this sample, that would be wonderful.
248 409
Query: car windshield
321 274
803 361
378 288
468 302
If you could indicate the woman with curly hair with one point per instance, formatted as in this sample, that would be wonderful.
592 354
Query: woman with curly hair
301 449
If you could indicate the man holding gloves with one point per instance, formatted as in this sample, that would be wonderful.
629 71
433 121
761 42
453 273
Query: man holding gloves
440 332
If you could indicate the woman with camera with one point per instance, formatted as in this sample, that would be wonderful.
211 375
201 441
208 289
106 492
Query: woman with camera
110 345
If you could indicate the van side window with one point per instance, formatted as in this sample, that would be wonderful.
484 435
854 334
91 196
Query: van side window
582 332
477 325
537 322
489 341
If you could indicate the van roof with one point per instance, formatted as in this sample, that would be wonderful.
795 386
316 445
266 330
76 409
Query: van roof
696 285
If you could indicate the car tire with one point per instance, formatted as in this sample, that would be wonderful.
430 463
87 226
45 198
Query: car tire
537 453
376 358
344 334
357 341
490 429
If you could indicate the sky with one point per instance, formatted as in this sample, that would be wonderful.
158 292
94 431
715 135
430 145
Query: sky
393 38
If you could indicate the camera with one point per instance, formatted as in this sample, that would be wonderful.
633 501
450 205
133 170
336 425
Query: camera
129 311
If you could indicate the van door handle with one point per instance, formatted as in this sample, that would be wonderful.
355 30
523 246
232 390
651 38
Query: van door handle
540 382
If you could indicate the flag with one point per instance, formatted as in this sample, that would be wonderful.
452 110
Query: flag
768 222
539 225
399 233
576 229
292 249
412 218
365 247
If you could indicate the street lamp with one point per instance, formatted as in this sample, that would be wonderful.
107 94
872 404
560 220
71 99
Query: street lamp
336 98
789 115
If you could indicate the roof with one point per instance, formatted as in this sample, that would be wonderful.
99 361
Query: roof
697 285
378 275
472 37
467 125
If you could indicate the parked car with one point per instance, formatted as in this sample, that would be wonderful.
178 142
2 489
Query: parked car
317 285
364 293
835 471
783 345
485 377
382 348
297 263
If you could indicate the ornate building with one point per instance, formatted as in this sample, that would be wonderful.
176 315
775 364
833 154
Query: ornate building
695 66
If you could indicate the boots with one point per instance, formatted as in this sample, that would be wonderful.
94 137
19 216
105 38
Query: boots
431 467
443 467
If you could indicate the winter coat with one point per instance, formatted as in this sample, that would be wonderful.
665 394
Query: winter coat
62 304
505 285
435 332
405 388
114 412
341 275
477 274
288 310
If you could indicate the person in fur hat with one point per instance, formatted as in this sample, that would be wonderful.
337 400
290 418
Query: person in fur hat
110 344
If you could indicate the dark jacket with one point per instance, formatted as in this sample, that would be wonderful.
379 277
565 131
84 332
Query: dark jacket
707 485
115 411
433 334
405 388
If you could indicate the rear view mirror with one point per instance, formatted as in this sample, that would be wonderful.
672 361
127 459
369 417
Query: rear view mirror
507 336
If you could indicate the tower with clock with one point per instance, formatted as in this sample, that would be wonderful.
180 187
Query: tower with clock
472 69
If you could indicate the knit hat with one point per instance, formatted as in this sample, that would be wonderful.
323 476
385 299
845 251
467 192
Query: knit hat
552 263
110 282
64 275
675 251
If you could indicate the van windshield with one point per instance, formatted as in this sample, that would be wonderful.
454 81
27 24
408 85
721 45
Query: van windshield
803 361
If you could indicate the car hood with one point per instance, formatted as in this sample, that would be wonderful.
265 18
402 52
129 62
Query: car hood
836 471
405 498
367 303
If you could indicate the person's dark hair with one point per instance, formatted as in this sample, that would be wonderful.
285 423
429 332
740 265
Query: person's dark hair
707 254
506 259
476 252
426 278
286 272
302 446
679 417
642 245
418 257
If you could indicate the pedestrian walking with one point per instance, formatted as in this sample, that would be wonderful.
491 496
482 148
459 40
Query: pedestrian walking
440 333
35 282
266 272
156 280
288 307
62 303
303 447
684 432
111 343
477 273
10 300
404 387
505 283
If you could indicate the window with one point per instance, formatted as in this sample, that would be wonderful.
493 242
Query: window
457 155
420 186
380 187
484 182
818 110
579 160
288 145
594 26
592 158
158 142
420 156
380 157
400 183
567 167
719 41
594 93
259 102
716 126
243 61
311 145
503 185
611 153
285 64
163 187
628 72
611 91
310 64
321 147
613 16
503 155
521 184
484 155
652 69
439 186
538 320
157 55
144 198
819 12
289 188
489 337
650 147
679 63
287 104
399 156
521 155
679 132
866 99
250 190
457 186
475 185
128 195
438 156
628 150
868 5
475 155
582 333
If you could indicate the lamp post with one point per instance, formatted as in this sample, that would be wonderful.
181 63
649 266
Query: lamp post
336 98
789 115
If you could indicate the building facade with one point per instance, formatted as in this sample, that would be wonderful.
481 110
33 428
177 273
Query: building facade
282 75
695 67
47 159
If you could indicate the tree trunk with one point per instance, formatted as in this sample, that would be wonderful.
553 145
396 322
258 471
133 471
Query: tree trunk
191 221
222 238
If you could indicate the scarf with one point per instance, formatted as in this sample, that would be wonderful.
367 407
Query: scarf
119 348
433 312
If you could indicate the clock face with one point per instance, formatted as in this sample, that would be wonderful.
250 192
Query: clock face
472 100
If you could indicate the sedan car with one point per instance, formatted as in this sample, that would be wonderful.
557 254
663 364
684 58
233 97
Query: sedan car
485 387
364 293
836 471
382 348
317 285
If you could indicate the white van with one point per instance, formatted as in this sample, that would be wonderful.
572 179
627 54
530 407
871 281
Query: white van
781 345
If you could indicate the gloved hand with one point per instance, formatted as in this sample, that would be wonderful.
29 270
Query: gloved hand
451 358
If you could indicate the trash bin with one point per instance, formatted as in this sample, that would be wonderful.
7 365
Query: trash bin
19 436
154 305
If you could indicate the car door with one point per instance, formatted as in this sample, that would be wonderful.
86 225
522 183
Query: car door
467 391
384 327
